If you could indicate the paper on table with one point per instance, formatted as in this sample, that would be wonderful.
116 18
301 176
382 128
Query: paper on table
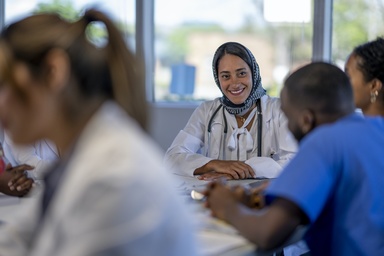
215 243
216 237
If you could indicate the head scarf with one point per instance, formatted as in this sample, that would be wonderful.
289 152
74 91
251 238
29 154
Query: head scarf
257 90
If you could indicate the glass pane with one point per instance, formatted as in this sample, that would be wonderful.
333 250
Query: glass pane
122 12
278 32
354 24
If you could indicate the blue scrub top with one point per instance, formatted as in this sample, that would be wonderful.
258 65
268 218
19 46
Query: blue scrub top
337 179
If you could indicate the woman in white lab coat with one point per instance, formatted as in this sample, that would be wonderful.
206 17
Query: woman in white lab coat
242 134
107 195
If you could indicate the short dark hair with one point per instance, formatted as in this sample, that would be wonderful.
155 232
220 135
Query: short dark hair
371 59
322 87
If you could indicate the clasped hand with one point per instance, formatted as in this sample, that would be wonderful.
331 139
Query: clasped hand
225 202
14 180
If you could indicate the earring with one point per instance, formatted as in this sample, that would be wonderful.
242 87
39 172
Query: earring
373 96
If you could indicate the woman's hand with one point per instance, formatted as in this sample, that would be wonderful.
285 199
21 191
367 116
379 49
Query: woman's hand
14 181
232 170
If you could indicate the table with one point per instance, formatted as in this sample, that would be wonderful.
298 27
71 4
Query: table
215 237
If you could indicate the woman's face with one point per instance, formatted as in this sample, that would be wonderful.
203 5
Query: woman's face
235 78
361 88
24 104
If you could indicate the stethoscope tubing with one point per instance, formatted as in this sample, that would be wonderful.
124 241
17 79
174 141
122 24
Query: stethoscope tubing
259 128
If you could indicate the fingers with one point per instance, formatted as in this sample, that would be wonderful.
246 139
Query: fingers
257 198
240 170
25 186
20 182
8 167
239 191
211 176
221 201
237 169
21 168
260 188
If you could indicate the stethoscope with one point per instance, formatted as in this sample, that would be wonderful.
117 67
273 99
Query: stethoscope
259 128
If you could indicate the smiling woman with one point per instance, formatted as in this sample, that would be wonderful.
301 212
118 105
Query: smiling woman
242 134
191 34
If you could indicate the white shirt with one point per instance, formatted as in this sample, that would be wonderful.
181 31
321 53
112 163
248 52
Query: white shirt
114 198
41 155
193 147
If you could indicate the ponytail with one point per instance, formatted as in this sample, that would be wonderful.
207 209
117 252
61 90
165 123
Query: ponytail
126 77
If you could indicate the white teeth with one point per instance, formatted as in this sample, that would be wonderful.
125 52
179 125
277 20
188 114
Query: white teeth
237 91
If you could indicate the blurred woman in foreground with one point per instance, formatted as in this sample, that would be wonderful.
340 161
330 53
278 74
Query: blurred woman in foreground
100 198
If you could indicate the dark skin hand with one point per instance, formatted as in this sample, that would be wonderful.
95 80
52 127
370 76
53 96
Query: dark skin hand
267 228
14 181
251 197
226 168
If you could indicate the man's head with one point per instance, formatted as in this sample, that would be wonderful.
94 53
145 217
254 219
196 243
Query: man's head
315 94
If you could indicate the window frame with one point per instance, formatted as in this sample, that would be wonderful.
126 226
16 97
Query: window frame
321 42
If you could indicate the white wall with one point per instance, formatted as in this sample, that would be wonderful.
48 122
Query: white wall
166 121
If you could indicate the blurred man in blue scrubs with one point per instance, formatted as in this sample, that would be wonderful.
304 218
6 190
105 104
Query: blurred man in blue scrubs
334 184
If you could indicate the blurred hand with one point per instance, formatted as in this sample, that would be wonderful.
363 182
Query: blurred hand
251 197
14 180
221 200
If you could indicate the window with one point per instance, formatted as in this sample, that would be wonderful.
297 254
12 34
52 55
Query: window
123 12
278 32
354 24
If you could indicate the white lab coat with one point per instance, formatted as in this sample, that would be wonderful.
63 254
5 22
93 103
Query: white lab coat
192 147
114 198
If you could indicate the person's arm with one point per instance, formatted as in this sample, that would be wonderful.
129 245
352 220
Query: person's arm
267 228
185 154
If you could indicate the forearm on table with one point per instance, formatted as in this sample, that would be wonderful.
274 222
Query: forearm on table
208 167
267 228
185 163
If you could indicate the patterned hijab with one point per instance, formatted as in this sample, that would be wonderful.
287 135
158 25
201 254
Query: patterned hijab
257 90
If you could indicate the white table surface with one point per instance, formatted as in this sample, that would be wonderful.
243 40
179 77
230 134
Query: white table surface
215 236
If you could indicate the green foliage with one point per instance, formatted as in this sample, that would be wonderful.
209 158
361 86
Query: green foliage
350 26
67 10
176 47
64 8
